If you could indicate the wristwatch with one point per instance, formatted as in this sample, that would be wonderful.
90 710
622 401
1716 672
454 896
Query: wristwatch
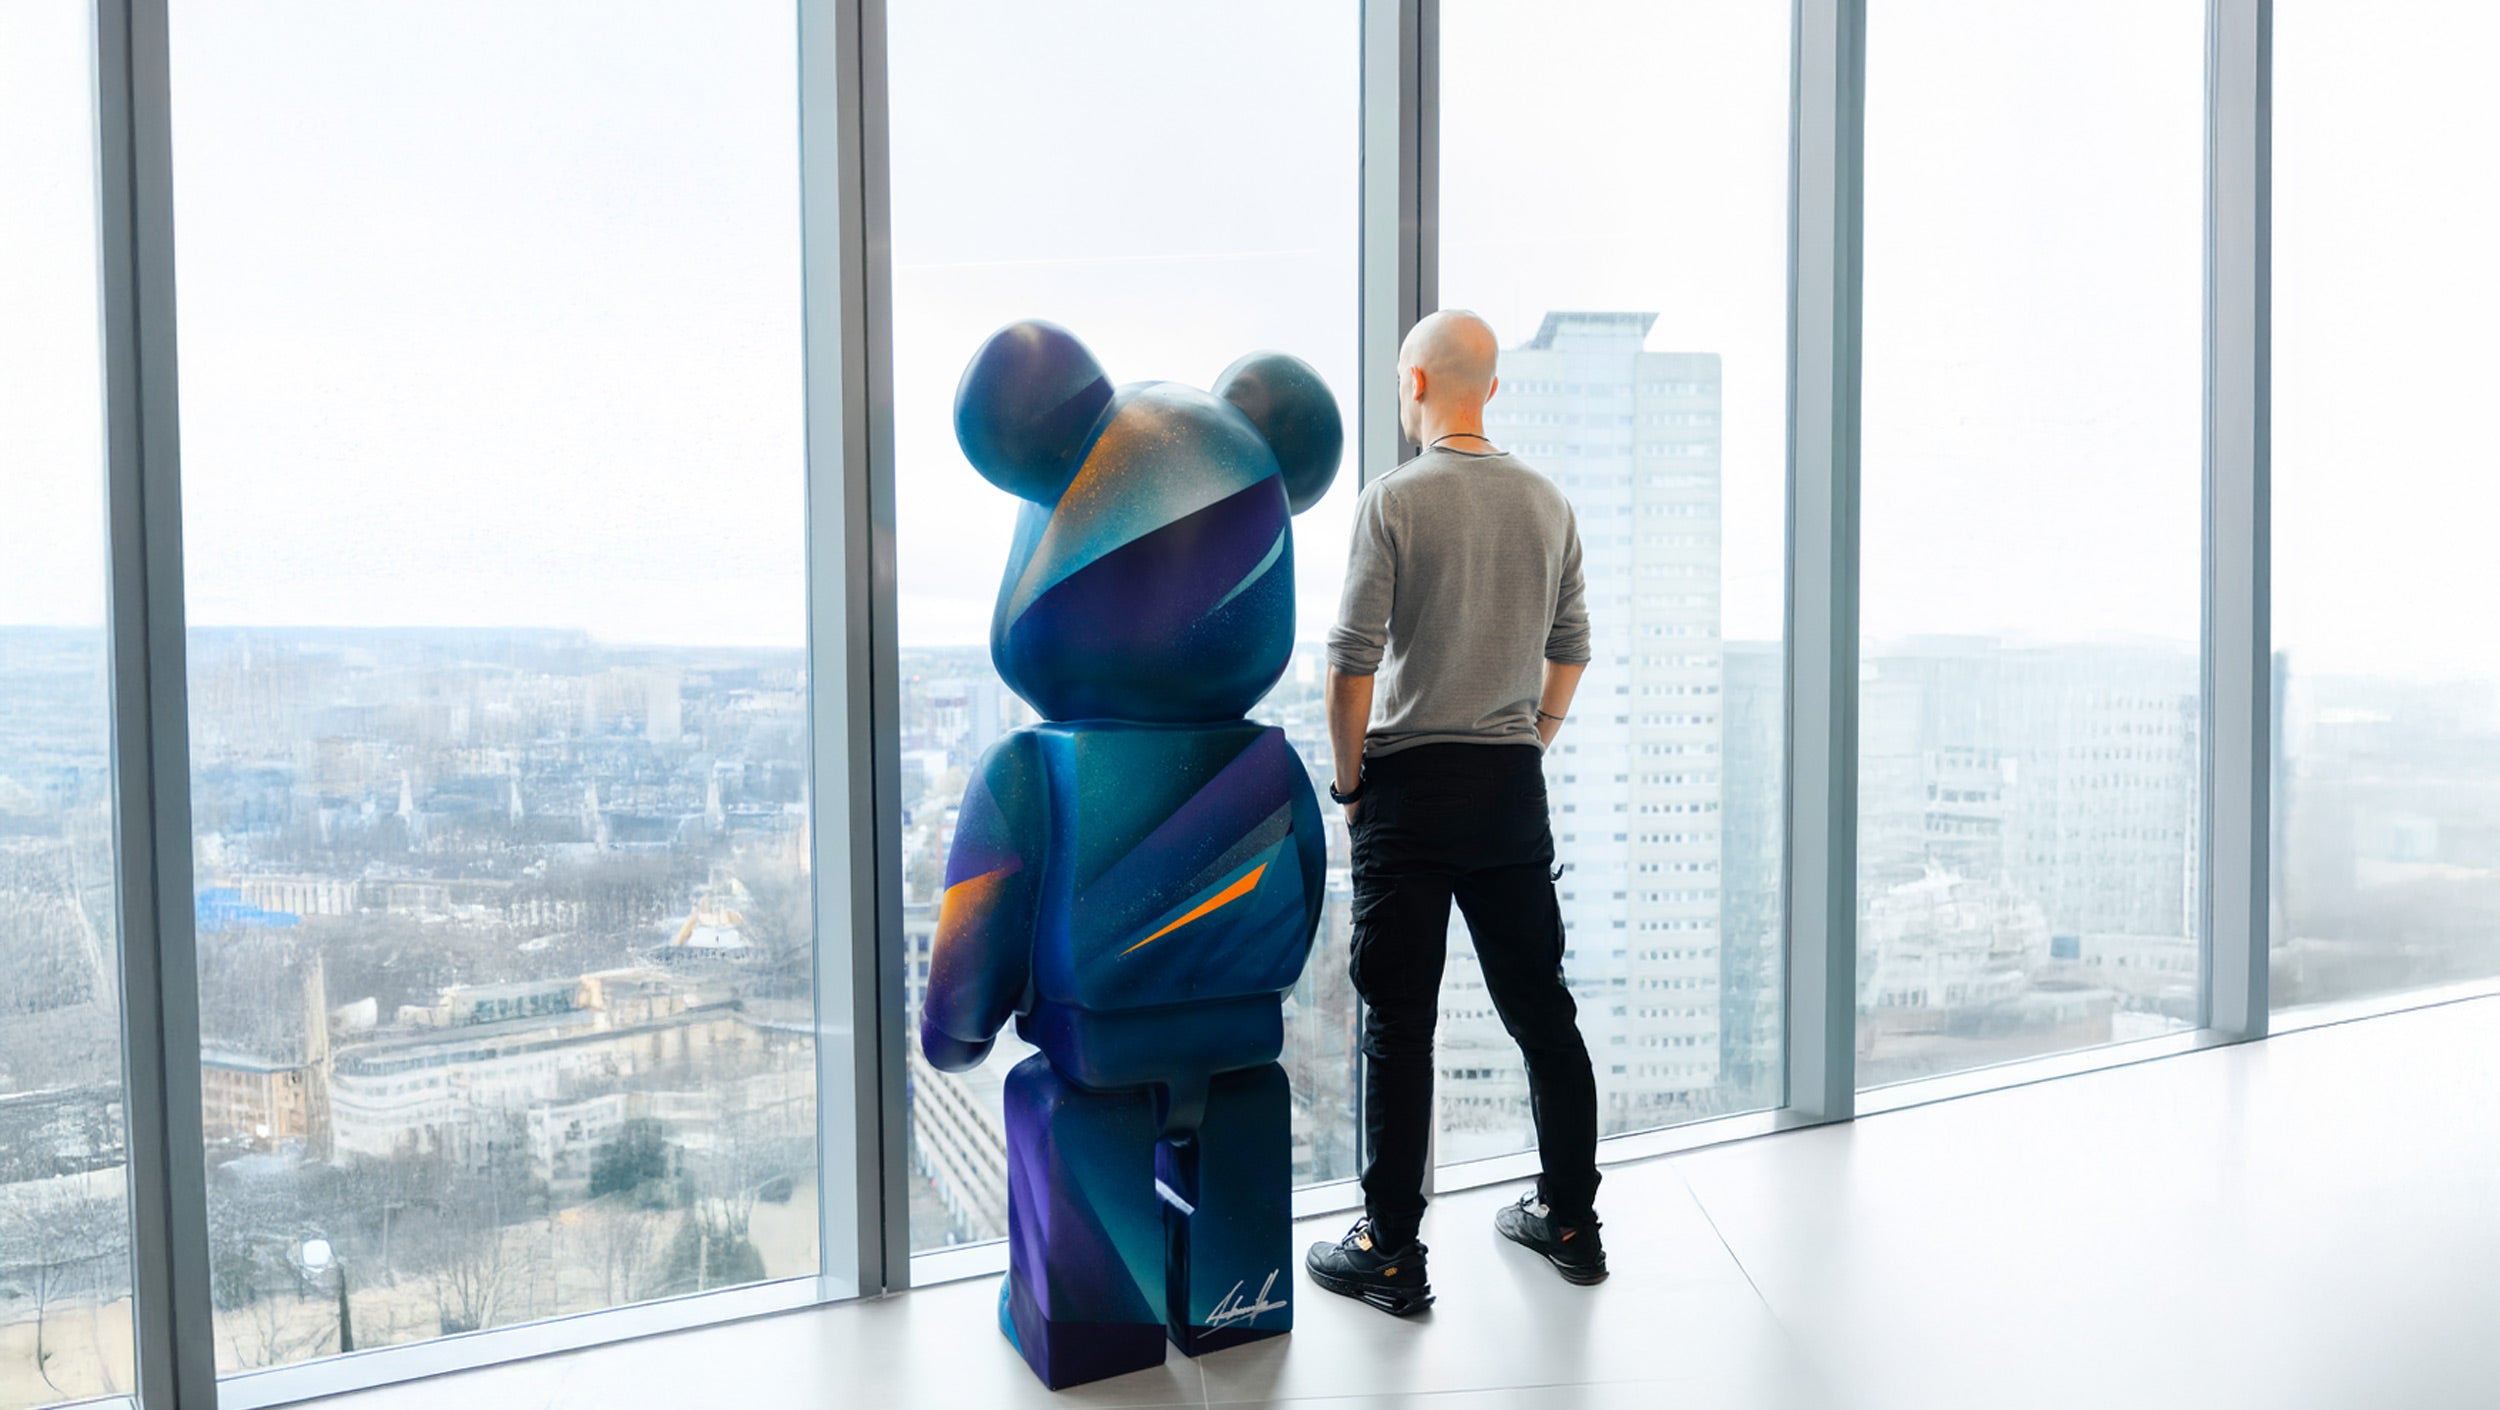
1341 799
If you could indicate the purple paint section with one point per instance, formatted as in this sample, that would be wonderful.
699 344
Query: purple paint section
1158 586
1136 634
1083 1221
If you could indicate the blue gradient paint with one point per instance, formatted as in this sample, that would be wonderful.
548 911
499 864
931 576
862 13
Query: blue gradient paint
1136 882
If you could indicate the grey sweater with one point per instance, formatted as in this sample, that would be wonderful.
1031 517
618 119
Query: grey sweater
1465 579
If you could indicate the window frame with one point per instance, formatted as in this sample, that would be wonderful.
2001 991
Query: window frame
853 649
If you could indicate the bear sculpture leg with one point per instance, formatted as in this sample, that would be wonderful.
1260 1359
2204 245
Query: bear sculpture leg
1228 1216
1084 1230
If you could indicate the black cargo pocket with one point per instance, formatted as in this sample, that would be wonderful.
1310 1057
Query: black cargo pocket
1371 923
1381 960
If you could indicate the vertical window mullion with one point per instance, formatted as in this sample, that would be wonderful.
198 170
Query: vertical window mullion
876 298
1401 195
2239 674
151 757
1827 143
864 1239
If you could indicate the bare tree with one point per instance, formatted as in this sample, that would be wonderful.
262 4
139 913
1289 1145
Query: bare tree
276 1326
372 1197
755 1149
255 1221
624 1240
476 1256
62 1235
470 1266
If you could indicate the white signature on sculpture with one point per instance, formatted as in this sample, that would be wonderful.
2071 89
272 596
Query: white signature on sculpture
1232 1309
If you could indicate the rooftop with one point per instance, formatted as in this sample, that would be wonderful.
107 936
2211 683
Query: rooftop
1634 326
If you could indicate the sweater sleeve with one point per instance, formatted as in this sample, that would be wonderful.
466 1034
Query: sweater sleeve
1567 641
1355 644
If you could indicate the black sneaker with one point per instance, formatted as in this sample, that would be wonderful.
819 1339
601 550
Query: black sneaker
1389 1279
1575 1250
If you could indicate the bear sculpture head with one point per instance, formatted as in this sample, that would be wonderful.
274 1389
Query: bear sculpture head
1151 578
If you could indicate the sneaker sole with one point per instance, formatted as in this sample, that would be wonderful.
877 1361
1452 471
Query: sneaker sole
1389 1300
1584 1277
1577 1273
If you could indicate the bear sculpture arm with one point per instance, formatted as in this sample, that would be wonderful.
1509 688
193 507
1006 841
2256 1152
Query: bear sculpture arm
982 961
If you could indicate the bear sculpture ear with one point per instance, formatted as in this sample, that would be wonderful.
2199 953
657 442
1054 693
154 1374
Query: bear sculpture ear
1025 406
1296 414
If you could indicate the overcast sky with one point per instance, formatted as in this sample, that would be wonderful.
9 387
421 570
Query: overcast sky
490 309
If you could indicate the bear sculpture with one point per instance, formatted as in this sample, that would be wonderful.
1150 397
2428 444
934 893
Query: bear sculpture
1136 881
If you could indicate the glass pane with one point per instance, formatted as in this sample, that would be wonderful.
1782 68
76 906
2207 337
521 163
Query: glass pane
64 1203
1177 185
2387 786
1638 278
2029 760
494 497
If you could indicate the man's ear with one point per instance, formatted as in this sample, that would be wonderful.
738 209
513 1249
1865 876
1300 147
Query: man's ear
1025 406
1296 414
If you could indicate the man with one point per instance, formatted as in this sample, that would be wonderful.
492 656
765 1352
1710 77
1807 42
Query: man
1463 601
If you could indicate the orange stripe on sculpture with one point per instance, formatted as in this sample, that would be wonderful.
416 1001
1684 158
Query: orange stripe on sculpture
972 891
1229 895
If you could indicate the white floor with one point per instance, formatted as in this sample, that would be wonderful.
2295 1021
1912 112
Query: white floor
2309 1222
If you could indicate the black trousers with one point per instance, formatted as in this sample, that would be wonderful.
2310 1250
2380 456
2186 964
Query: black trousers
1463 822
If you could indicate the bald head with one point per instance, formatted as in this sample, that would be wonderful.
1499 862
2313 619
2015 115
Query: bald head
1445 374
1456 350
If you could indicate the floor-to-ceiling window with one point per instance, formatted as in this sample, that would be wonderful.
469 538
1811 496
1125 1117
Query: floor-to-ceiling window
495 502
65 1247
493 507
1614 183
2029 708
2386 779
1175 184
